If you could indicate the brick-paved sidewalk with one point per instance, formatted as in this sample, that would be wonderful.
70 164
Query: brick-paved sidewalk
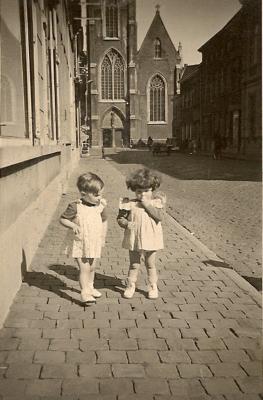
199 340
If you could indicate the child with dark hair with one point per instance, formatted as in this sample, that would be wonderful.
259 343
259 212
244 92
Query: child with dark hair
141 218
87 218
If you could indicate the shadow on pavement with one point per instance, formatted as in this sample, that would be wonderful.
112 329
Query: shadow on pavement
52 283
191 167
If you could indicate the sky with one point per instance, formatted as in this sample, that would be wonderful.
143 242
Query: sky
191 22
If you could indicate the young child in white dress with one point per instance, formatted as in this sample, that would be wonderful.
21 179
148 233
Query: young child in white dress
88 220
143 236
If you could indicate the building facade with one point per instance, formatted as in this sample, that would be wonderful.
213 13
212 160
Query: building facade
38 136
131 91
231 84
187 107
251 103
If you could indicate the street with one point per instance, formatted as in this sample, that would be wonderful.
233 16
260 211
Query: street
199 340
219 201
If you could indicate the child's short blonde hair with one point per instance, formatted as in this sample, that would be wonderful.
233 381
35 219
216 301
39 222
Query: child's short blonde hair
90 183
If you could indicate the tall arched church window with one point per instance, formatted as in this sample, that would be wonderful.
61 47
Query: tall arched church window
157 99
112 76
111 18
157 48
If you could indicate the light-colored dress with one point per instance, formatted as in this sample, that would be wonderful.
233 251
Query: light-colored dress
145 233
88 243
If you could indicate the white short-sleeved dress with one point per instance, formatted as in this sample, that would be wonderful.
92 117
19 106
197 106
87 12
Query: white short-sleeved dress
146 234
88 243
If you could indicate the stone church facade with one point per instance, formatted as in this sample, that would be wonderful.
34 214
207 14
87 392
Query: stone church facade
127 82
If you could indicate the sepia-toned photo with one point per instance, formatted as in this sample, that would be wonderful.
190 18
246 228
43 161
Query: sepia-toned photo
131 200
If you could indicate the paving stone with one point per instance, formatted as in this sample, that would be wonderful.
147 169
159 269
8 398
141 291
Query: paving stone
181 344
173 356
93 344
252 368
23 371
128 371
154 386
84 333
59 372
148 323
116 386
80 357
95 371
220 385
80 386
19 357
112 357
143 356
227 370
110 333
250 384
152 344
44 387
232 355
96 323
33 344
64 344
167 371
9 344
49 357
141 333
69 324
124 344
194 371
56 333
12 387
173 323
204 357
210 344
167 333
186 387
42 323
242 343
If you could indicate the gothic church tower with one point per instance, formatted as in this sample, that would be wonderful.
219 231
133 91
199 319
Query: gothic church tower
109 54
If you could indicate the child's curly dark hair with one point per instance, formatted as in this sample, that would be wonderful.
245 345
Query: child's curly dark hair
143 178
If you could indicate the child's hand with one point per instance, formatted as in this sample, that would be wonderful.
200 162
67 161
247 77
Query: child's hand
145 202
76 229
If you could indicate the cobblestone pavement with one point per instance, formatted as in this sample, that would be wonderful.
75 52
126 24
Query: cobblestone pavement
220 201
200 340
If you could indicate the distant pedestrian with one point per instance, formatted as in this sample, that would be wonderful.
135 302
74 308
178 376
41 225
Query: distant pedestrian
88 220
141 218
149 142
217 148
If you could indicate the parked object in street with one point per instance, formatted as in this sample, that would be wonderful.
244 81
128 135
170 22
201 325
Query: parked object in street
161 148
86 217
85 148
143 236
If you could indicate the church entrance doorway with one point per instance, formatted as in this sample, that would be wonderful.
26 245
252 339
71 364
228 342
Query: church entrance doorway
113 128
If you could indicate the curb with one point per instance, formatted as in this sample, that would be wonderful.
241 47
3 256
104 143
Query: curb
210 255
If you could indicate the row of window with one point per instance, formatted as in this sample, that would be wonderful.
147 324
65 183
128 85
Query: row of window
34 48
113 87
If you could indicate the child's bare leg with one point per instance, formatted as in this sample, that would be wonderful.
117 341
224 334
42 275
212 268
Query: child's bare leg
150 257
135 263
85 270
95 292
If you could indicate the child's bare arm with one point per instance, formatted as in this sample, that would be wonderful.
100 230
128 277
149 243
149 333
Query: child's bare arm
70 224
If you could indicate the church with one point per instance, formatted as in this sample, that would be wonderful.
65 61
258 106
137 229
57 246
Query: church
131 90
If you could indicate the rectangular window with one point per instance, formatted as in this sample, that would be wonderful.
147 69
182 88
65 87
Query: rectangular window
13 99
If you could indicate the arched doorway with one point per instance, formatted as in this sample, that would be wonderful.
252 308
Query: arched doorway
113 129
